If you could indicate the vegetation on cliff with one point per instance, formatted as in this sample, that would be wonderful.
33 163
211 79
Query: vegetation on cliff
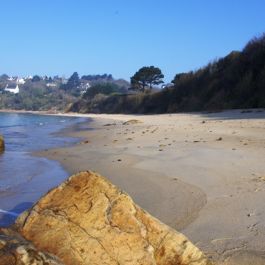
146 76
235 81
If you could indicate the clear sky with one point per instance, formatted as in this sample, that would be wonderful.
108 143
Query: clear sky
120 36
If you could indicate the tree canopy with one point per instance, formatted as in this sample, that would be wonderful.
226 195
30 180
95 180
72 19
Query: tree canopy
101 88
74 80
36 78
97 77
72 85
146 76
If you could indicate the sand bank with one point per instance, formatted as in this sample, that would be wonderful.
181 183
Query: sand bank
203 174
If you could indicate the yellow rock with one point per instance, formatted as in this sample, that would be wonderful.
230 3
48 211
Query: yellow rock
133 121
87 220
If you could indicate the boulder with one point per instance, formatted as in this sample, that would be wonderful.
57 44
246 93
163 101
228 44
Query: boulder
130 122
14 250
2 144
87 220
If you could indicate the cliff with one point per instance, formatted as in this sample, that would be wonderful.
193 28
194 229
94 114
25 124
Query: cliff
235 81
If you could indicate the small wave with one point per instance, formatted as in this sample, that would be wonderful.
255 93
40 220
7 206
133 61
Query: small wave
4 188
9 213
12 126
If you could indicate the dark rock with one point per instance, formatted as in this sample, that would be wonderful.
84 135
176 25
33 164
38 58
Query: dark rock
2 144
15 250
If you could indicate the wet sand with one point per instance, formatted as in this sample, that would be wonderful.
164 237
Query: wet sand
25 178
203 174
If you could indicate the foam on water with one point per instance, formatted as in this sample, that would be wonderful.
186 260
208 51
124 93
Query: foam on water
23 177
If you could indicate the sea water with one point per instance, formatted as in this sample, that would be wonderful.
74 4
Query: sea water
24 177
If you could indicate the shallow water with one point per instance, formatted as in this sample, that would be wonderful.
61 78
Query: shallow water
23 177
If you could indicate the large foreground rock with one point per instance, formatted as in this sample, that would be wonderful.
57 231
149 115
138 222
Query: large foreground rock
87 220
2 144
14 250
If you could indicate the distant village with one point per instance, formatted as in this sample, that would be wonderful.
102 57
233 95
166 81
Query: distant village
13 84
57 93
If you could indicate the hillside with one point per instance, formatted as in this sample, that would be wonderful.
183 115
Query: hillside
51 93
39 94
235 81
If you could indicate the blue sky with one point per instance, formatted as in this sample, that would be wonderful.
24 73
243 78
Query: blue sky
120 36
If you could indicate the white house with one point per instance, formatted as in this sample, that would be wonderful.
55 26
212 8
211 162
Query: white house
14 90
84 87
51 85
21 81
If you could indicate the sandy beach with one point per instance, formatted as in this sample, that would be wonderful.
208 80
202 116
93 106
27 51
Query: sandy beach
202 174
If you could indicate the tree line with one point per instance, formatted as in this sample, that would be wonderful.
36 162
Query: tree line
235 81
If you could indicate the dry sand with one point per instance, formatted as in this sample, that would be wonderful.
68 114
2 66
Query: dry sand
203 174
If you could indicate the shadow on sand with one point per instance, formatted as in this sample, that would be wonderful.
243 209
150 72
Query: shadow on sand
235 114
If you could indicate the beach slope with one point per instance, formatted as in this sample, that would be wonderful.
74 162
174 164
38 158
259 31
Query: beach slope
201 173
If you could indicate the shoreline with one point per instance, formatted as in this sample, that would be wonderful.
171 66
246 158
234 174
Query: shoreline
189 170
147 181
26 177
113 116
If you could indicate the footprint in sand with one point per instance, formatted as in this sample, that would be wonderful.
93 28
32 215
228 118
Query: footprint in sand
253 228
155 129
109 124
250 214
